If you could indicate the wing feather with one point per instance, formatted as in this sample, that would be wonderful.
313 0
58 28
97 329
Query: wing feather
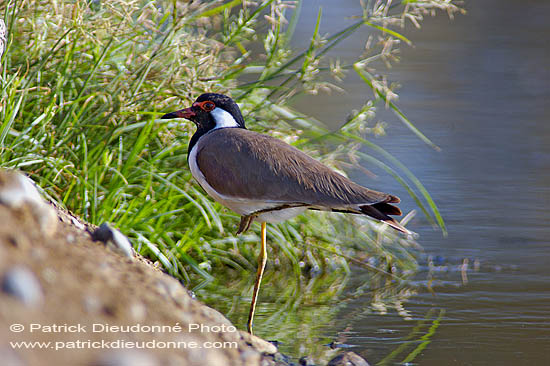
241 163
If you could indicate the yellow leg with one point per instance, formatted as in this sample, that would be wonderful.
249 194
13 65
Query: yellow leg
262 259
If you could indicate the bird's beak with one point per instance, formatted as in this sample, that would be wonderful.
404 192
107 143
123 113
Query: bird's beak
186 113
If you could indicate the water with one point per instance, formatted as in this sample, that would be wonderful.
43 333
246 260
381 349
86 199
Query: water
479 87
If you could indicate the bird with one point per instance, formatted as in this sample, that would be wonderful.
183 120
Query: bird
264 179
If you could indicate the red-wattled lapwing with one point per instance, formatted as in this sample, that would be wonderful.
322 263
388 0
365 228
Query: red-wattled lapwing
265 179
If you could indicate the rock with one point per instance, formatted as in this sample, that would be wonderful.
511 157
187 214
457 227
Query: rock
137 311
277 359
306 361
126 358
336 345
77 223
348 359
258 344
92 304
18 191
114 239
22 284
49 275
281 359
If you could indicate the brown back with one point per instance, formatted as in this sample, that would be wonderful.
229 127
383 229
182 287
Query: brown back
241 163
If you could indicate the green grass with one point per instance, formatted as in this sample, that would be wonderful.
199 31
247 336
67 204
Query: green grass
84 82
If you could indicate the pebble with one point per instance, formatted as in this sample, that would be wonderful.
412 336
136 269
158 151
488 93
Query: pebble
114 239
348 359
281 359
77 223
336 345
22 284
49 275
137 311
92 304
16 190
258 344
306 361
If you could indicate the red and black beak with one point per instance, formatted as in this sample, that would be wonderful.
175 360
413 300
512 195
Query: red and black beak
187 113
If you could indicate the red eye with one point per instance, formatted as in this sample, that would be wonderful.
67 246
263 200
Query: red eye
207 106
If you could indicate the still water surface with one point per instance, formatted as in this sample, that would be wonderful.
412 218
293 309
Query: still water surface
479 87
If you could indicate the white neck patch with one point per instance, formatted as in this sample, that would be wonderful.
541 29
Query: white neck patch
223 118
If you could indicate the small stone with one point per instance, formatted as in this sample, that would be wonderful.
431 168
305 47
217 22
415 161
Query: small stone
137 311
258 344
336 345
77 223
92 304
49 275
22 284
281 359
348 359
306 361
126 358
122 243
16 191
103 233
114 239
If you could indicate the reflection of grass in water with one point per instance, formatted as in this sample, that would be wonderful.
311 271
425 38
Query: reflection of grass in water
303 311
300 312
294 309
417 340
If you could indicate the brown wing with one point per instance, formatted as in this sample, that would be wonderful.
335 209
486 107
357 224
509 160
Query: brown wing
242 163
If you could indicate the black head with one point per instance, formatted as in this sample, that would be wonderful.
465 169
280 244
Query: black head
211 111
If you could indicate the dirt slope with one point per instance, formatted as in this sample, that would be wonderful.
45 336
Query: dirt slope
63 289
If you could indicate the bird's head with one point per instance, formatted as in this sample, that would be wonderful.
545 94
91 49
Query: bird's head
211 111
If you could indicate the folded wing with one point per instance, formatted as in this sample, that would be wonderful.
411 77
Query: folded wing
240 163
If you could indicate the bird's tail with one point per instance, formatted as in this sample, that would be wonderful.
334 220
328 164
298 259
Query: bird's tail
380 211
